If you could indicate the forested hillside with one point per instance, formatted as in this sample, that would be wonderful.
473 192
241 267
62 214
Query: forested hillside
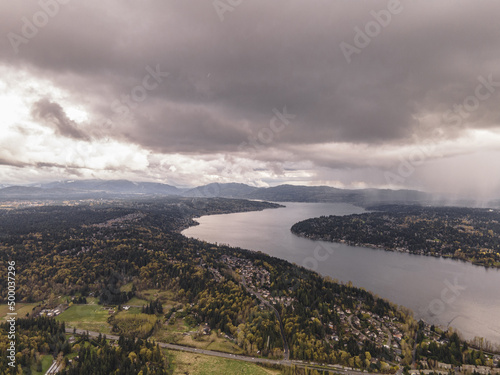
470 234
123 268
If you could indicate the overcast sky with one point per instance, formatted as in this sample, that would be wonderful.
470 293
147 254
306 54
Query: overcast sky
341 93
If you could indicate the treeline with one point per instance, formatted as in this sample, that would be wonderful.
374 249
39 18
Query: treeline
451 350
34 339
129 357
231 309
112 296
53 218
39 337
79 300
154 307
470 234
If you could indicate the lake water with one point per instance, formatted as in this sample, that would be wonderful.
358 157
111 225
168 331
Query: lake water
440 291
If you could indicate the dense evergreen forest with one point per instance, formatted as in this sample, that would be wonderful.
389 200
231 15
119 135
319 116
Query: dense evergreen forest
35 338
39 337
470 234
128 357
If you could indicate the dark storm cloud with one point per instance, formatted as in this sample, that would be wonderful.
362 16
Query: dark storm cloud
226 77
179 129
53 115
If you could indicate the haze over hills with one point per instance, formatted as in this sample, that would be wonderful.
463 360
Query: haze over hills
88 189
229 190
293 193
113 186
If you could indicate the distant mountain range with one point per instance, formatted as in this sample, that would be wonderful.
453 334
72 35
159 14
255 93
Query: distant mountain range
86 189
114 187
231 190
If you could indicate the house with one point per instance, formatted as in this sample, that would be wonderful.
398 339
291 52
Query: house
205 329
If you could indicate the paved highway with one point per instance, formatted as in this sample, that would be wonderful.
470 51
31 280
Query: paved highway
325 367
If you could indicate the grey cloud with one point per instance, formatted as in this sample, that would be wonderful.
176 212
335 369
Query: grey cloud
53 114
186 130
286 53
11 162
264 55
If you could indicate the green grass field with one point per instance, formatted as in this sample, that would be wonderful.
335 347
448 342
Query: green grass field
131 311
92 300
46 363
136 302
222 345
136 325
198 364
167 297
21 309
182 334
90 317
126 287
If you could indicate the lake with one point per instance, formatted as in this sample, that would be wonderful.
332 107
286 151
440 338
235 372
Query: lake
440 291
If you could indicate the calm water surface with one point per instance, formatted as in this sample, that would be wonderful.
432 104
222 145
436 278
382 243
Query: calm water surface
440 291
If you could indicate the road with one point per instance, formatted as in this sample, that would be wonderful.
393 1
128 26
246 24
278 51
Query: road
349 320
302 364
54 368
389 334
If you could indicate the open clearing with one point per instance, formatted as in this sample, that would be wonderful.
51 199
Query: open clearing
89 317
198 364
181 334
21 309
